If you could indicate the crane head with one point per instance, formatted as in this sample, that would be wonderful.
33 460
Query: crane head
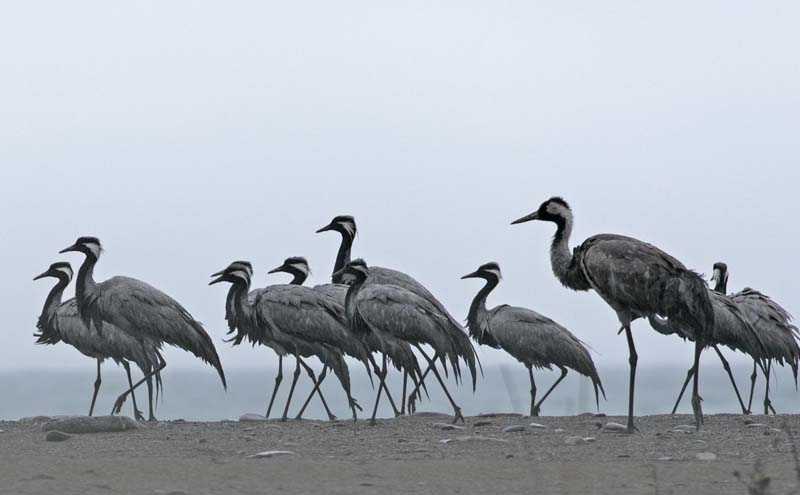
90 246
488 271
554 209
295 265
357 269
343 224
720 274
60 270
237 272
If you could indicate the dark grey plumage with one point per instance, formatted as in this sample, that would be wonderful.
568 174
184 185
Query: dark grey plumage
532 339
138 309
61 322
636 279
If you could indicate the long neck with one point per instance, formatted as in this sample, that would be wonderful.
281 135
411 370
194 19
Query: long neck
350 304
343 256
722 285
85 280
51 304
299 278
230 305
241 313
560 254
478 316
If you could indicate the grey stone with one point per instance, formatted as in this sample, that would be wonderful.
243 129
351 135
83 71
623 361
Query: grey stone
685 429
665 458
447 426
56 436
514 428
92 424
481 423
706 456
537 425
757 425
612 427
270 453
559 430
498 415
599 415
574 440
748 421
430 414
252 417
473 438
590 439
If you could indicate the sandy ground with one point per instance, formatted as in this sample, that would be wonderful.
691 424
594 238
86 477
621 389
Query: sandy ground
408 454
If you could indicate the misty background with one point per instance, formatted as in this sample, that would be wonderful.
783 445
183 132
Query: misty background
189 134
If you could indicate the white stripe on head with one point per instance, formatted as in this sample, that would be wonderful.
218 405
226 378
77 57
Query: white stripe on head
66 271
240 274
301 267
94 248
349 227
495 271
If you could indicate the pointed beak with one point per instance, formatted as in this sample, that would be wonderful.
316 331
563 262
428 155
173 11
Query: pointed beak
74 247
276 270
220 278
41 275
470 275
325 228
527 218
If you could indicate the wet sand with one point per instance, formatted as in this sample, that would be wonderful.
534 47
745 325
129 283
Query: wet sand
407 454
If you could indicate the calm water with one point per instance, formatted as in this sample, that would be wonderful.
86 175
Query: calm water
198 395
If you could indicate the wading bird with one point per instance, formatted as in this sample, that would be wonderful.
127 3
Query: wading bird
391 311
460 345
636 279
771 322
138 309
532 339
60 322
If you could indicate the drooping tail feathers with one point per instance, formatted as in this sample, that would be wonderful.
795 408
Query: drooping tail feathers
686 302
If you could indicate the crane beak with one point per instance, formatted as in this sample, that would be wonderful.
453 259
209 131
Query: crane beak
278 269
471 275
325 228
220 278
42 275
74 247
527 218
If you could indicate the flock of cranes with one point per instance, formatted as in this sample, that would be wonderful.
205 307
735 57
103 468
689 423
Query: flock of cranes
370 310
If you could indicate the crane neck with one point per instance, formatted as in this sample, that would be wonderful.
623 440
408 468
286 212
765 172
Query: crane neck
478 316
342 256
85 283
560 254
350 303
299 277
721 286
51 304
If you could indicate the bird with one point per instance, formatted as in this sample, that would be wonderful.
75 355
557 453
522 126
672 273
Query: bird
399 352
460 345
772 323
532 339
391 311
60 322
731 329
298 316
636 279
139 310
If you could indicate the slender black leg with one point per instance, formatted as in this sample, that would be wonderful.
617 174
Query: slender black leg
415 392
633 358
403 402
278 380
152 416
533 390
377 370
314 380
291 390
689 375
314 390
456 409
97 382
697 407
382 376
753 377
121 399
137 414
538 406
727 368
767 403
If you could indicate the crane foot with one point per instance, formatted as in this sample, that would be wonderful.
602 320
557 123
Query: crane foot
138 416
458 416
698 411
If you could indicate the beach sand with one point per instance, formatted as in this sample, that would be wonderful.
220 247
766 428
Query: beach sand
407 454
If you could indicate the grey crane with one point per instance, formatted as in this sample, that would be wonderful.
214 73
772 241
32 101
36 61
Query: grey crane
60 322
460 345
245 326
731 329
772 323
532 339
391 311
138 309
298 316
399 352
636 279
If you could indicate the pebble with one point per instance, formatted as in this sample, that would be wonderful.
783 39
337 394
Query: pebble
614 427
473 439
56 436
748 421
514 428
757 425
665 458
599 415
270 453
706 456
684 429
430 414
590 439
537 425
574 440
447 426
481 423
559 430
495 415
92 424
252 417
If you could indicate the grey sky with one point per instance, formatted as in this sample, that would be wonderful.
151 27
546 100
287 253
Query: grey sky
188 134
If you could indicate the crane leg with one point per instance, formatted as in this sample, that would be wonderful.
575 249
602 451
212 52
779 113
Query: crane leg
456 409
727 368
539 404
697 406
278 379
291 390
382 376
689 375
121 399
753 377
152 416
767 403
314 390
633 358
385 388
137 414
314 380
97 383
533 390
412 397
403 401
